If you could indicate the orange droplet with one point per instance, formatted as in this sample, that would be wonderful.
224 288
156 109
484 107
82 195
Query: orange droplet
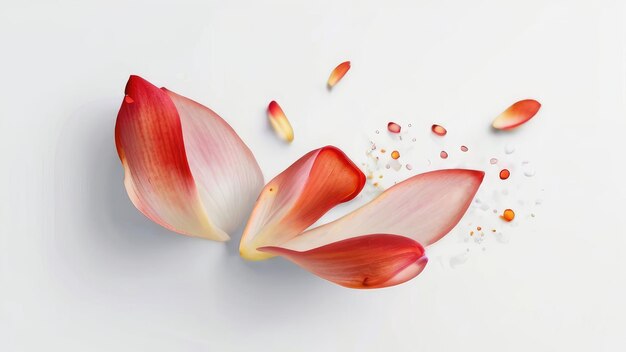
128 99
383 150
443 154
464 148
471 233
493 230
479 228
508 215
439 130
393 127
504 174
395 154
338 73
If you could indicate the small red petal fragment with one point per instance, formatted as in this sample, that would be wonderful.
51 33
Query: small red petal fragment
393 127
439 130
338 73
443 154
516 114
364 262
279 121
128 99
464 148
504 174
395 154
508 215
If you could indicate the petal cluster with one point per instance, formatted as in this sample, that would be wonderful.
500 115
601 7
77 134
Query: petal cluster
184 167
377 245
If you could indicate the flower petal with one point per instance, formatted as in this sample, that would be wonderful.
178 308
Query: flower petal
424 207
279 121
338 73
298 197
160 158
516 114
370 261
225 171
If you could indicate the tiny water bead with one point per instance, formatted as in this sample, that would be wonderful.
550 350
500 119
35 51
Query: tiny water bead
414 139
504 174
395 154
493 161
438 130
509 149
443 154
410 125
128 99
409 167
377 131
464 148
508 215
393 127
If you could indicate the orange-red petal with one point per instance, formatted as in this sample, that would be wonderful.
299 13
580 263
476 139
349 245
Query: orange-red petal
298 197
516 115
369 261
279 121
338 73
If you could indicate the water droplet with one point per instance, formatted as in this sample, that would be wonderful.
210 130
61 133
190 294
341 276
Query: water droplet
395 164
128 99
410 125
383 150
508 215
464 148
528 170
387 166
414 139
377 131
409 167
443 154
509 149
493 161
395 154
373 146
504 174
438 130
393 127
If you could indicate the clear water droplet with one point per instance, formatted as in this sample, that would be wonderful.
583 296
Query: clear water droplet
493 161
509 149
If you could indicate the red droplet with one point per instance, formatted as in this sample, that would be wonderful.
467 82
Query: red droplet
128 100
504 174
443 154
464 148
438 130
393 127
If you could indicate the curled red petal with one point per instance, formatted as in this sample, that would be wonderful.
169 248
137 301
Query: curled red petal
364 262
338 73
298 197
516 115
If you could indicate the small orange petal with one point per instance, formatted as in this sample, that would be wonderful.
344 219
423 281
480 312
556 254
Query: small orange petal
338 73
279 121
516 114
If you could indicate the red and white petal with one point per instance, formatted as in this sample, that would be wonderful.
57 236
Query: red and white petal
279 121
338 73
226 173
516 114
298 197
149 139
370 261
424 207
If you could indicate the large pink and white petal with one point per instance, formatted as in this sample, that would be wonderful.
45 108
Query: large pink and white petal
516 115
424 208
370 261
298 197
225 171
161 159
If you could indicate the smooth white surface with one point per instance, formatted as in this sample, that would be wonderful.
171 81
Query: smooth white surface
82 270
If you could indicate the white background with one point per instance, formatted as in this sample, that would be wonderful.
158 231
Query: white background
82 270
